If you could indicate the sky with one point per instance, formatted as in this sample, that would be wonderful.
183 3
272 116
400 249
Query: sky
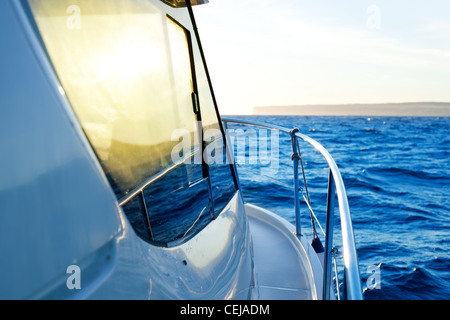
296 52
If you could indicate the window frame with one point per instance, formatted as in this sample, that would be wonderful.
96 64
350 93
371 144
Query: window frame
138 190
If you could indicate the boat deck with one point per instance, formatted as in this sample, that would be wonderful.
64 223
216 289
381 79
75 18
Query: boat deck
283 266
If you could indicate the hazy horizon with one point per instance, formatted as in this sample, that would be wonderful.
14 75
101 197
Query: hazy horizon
431 109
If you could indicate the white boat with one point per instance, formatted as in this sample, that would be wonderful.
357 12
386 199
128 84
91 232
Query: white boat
107 109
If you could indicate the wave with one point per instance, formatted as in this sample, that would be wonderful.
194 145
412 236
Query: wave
397 177
406 283
404 172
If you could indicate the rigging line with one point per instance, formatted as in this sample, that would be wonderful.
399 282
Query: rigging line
306 190
315 217
336 275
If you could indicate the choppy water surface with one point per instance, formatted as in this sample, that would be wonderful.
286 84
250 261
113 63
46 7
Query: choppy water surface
397 176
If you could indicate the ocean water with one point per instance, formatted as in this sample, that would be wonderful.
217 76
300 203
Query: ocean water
396 171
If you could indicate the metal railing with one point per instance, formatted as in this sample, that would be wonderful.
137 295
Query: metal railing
352 283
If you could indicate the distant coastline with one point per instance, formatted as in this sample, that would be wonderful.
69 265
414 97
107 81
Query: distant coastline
412 109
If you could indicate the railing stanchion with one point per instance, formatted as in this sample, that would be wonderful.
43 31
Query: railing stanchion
331 195
295 158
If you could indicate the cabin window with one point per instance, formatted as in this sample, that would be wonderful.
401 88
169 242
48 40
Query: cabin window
128 71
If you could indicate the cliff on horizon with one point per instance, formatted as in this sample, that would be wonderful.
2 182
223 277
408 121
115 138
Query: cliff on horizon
413 109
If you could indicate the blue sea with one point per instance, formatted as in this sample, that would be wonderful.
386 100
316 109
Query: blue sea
396 171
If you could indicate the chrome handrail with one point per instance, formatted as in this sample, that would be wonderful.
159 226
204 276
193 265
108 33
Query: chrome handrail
335 186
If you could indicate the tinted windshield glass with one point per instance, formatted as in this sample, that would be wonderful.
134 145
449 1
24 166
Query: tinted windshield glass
129 83
142 97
